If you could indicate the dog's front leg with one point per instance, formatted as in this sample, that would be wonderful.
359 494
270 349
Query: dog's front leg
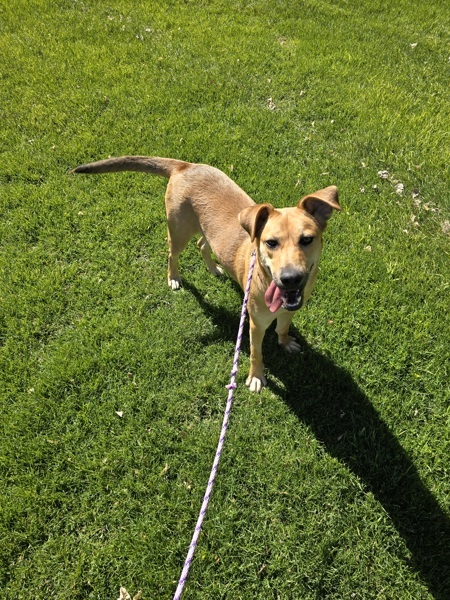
256 380
289 343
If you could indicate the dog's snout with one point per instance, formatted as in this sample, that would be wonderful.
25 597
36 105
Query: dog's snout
291 279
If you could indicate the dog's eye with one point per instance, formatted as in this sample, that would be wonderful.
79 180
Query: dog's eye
272 244
306 240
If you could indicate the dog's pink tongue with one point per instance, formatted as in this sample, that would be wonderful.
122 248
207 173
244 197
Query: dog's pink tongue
273 297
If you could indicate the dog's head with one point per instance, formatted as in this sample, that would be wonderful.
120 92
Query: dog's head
289 243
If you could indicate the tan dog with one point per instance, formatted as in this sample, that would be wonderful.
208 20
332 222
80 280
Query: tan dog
288 242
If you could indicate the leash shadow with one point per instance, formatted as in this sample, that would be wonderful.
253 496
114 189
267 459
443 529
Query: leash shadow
326 398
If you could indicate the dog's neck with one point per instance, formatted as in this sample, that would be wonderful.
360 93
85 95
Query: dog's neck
263 274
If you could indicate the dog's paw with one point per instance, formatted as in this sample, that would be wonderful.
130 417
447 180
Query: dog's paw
290 344
217 271
255 384
174 284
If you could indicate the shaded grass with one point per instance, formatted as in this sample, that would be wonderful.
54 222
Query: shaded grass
334 482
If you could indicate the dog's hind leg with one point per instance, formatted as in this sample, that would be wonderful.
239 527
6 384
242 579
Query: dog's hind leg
175 249
181 227
205 249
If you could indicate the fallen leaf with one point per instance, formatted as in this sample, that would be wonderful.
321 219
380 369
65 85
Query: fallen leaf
164 471
124 595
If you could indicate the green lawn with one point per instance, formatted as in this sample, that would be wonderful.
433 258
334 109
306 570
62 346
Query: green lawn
334 482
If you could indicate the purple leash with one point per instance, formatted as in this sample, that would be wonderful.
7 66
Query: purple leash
231 387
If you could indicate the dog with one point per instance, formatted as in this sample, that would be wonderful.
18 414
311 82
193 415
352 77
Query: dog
202 200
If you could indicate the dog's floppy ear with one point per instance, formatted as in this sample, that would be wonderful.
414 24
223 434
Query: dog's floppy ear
321 204
254 218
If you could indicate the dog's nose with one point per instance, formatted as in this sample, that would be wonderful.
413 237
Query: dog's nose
292 279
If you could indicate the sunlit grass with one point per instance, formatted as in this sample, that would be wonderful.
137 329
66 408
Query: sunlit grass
334 481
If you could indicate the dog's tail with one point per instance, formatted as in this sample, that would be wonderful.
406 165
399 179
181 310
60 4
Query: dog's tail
147 164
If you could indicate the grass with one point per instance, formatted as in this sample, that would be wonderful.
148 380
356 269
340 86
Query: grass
334 482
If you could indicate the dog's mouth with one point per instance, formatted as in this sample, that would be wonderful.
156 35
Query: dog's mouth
277 298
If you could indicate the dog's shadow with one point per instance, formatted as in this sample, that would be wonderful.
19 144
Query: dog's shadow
327 399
